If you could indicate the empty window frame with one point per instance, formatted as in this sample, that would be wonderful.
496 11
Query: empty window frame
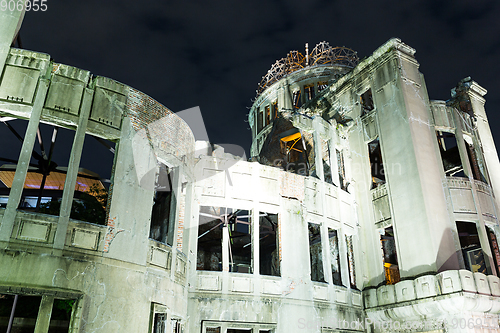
391 266
160 323
341 169
47 169
274 109
240 241
366 100
296 100
333 241
211 224
269 256
259 119
450 154
309 92
164 207
267 114
327 170
93 185
315 252
235 330
350 261
376 163
474 258
22 312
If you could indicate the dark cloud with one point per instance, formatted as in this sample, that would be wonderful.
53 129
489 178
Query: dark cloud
214 53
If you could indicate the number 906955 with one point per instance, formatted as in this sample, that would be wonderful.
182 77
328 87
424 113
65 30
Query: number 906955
19 5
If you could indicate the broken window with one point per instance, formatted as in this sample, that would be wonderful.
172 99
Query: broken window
376 164
21 312
391 266
160 323
268 244
327 170
309 92
293 147
450 154
350 261
274 108
296 100
211 223
341 169
163 211
495 250
47 168
268 115
240 241
474 258
316 252
322 85
333 240
90 202
366 102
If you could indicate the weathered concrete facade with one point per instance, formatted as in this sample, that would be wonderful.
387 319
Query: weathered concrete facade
364 204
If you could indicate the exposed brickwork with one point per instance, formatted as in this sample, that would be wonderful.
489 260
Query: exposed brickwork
291 185
168 134
111 233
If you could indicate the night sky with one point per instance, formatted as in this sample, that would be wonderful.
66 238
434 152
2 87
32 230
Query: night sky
212 54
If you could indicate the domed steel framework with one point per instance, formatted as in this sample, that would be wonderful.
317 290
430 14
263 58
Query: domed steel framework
322 54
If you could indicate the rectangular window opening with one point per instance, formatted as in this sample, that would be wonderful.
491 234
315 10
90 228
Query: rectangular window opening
269 257
367 104
240 239
450 154
391 266
274 108
327 170
341 169
376 163
333 240
27 310
260 120
164 207
474 258
309 92
211 224
234 330
297 101
268 115
322 85
316 252
93 185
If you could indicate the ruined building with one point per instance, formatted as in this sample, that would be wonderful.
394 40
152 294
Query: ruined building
363 204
